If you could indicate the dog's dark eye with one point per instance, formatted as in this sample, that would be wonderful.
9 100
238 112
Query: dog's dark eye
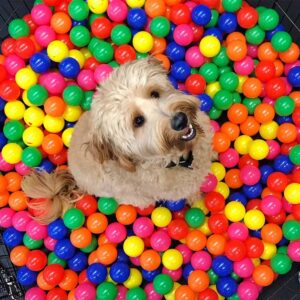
155 94
138 121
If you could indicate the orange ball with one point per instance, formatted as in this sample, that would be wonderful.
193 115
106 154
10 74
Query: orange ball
69 281
279 67
71 295
18 256
195 240
264 113
266 52
164 59
52 144
41 282
236 50
126 214
61 22
107 254
93 257
184 292
231 130
150 260
14 180
54 106
268 192
237 113
216 244
232 179
250 126
3 184
81 237
221 142
287 133
291 55
198 281
102 240
235 36
263 275
271 233
252 88
172 2
18 201
296 97
4 199
159 45
96 223
155 8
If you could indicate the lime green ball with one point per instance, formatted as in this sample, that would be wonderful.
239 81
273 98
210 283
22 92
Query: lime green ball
78 10
121 34
281 41
223 100
31 157
282 250
255 35
13 130
107 205
73 95
284 106
37 94
209 71
18 28
160 26
194 217
80 36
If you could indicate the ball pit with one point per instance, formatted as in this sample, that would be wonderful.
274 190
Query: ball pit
240 236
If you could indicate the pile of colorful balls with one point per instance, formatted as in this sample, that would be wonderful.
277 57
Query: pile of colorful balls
245 231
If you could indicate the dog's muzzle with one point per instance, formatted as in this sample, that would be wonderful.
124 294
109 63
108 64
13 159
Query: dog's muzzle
183 162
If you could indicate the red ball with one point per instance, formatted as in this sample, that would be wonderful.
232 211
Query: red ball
254 247
209 3
180 214
87 204
235 250
247 17
62 6
8 46
286 148
65 38
277 219
247 160
218 223
9 90
24 47
296 176
145 211
36 260
57 294
3 73
277 181
275 88
197 32
32 26
214 201
265 70
124 53
52 2
178 229
296 211
253 204
195 84
53 274
91 63
180 14
59 158
101 27
296 116
208 294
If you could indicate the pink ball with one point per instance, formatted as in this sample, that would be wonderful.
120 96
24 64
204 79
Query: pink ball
13 63
247 291
50 243
117 11
288 207
244 67
35 293
243 268
41 14
183 34
238 231
44 35
229 158
22 169
135 260
85 291
274 149
252 50
20 220
270 205
209 184
194 57
215 125
160 241
36 231
293 250
102 72
143 227
5 166
174 274
6 215
298 134
201 260
190 5
116 232
250 175
151 293
122 290
186 252
54 83
287 67
288 86
268 100
86 80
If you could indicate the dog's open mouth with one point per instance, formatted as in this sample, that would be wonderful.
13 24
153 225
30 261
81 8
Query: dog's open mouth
183 162
190 133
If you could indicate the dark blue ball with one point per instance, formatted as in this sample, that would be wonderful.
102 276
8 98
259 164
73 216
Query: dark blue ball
137 18
283 119
12 237
64 249
222 266
187 270
26 277
216 32
294 76
175 205
173 81
269 34
252 191
150 275
256 233
83 23
265 171
227 22
239 197
96 273
57 229
175 52
40 62
226 286
283 242
201 15
46 166
119 272
282 163
170 36
180 70
69 125
2 104
3 140
78 262
122 256
206 102
69 67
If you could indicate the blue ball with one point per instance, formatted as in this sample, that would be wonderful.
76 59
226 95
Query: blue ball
282 163
83 23
122 256
3 139
294 76
201 15
150 275
269 34
64 249
187 270
227 22
57 229
170 36
282 242
226 286
40 62
137 18
180 70
283 119
69 125
216 32
252 191
172 80
69 67
96 273
12 237
206 102
2 104
265 171
78 262
26 277
175 52
46 166
119 272
175 205
239 197
256 233
222 266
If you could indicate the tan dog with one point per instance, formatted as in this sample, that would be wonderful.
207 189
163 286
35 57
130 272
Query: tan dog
142 141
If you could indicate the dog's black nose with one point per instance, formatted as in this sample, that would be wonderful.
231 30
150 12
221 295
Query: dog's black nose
179 121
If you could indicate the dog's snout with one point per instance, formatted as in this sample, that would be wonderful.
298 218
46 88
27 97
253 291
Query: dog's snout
179 121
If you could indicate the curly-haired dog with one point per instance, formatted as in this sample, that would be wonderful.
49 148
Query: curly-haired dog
142 141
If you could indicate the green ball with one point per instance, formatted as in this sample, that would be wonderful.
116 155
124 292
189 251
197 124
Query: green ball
221 59
261 9
18 28
282 250
223 100
214 19
80 36
121 35
291 230
194 71
213 277
78 10
194 217
163 284
215 113
225 69
136 293
209 71
53 259
20 143
234 297
232 5
284 106
160 26
31 157
281 41
93 17
13 130
255 35
32 244
87 100
107 291
91 247
251 104
229 81
73 95
236 97
114 64
235 276
295 155
268 19
281 263
37 94
94 42
73 218
107 205
104 52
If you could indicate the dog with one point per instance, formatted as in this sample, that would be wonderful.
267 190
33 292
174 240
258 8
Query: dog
142 141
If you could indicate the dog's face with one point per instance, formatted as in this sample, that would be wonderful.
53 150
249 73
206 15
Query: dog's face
138 116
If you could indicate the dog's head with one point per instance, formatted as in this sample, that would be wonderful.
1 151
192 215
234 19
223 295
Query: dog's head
138 116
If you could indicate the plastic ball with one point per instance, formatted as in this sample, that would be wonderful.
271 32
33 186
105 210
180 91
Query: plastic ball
119 272
172 259
234 211
18 28
281 41
26 277
254 219
57 51
133 246
210 46
73 218
198 281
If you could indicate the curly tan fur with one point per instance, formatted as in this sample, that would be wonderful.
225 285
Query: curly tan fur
109 157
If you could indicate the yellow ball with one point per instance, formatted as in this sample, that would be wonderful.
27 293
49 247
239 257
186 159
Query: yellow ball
223 189
292 193
14 110
33 136
201 204
143 42
72 113
135 3
269 251
67 135
242 143
134 280
210 46
172 259
57 51
25 99
171 295
204 228
161 216
218 170
53 124
78 56
25 78
86 53
34 116
268 131
254 219
98 6
12 153
235 211
256 262
258 149
133 246
212 88
242 80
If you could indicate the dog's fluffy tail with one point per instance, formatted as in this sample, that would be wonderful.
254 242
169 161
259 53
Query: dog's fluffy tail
58 191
